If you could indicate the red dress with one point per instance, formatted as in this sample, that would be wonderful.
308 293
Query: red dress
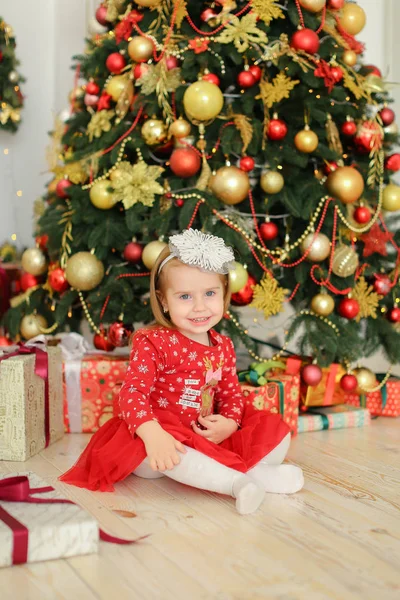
173 379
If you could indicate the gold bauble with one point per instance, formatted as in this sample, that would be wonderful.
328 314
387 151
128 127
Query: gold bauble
76 95
34 261
179 128
366 380
32 325
346 184
184 142
320 246
345 261
312 6
352 18
84 271
140 49
51 188
349 58
116 86
230 185
147 3
238 278
101 196
322 304
392 129
391 197
151 252
154 132
306 140
272 182
203 101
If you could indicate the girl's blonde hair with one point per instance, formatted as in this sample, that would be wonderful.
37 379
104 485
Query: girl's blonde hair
156 285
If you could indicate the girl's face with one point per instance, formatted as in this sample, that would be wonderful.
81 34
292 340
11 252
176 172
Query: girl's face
194 300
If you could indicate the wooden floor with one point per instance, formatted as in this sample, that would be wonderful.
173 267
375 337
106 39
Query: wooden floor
337 539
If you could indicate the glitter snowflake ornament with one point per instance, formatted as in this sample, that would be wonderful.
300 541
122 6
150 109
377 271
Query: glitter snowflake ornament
202 250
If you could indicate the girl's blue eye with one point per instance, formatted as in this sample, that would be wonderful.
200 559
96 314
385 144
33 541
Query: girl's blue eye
184 296
210 293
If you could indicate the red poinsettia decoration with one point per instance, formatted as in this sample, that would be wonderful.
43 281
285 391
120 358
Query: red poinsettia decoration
124 29
199 45
325 71
104 102
375 241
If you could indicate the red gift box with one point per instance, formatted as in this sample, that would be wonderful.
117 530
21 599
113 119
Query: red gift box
101 377
280 395
384 403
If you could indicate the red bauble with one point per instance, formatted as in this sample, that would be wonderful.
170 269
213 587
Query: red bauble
57 280
244 296
362 215
394 315
5 341
28 281
256 72
211 78
133 252
311 375
62 188
335 4
277 129
179 202
41 241
140 70
247 163
208 14
373 70
171 62
387 115
185 162
349 128
246 79
101 14
382 284
102 343
118 334
329 167
268 231
368 136
348 308
305 39
392 162
348 383
115 62
337 74
92 88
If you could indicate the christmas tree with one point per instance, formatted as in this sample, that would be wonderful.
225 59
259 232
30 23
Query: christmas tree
255 121
11 99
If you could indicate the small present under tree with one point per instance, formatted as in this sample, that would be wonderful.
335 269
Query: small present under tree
254 120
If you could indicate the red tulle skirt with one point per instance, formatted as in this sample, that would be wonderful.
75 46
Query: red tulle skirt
112 454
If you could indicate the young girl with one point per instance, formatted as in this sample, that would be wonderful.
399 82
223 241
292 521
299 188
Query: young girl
181 408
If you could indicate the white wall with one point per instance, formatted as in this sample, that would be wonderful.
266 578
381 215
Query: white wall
48 33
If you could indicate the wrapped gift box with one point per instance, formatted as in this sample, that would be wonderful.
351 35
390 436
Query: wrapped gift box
53 530
384 403
328 392
279 395
333 417
91 389
23 404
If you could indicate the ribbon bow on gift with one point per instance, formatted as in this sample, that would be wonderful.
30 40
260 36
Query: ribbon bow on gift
17 489
256 374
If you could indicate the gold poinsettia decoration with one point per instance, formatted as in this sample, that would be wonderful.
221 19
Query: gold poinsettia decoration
242 32
114 9
75 172
276 90
367 299
267 10
181 12
99 123
7 112
154 74
136 183
268 296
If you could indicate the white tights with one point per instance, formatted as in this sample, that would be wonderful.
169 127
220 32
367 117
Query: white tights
200 471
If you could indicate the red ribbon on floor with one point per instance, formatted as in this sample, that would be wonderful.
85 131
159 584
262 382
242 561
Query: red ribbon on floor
42 370
17 489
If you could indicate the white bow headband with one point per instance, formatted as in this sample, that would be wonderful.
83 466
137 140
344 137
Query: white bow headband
203 250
